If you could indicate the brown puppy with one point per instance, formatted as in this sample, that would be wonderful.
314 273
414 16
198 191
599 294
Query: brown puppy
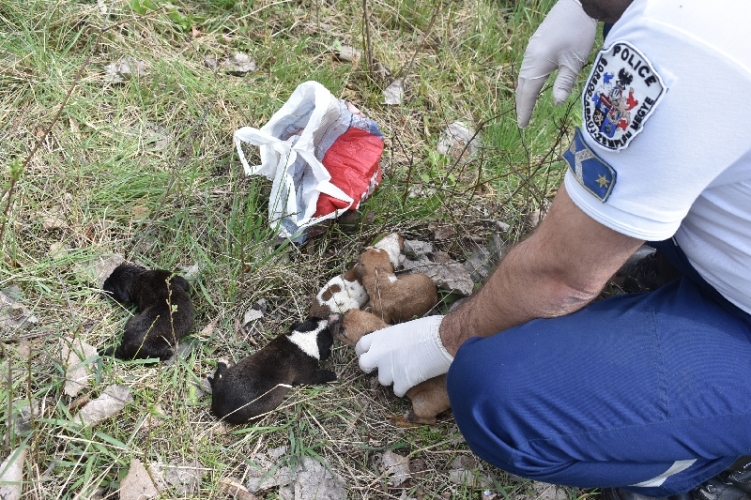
259 383
393 299
165 313
428 398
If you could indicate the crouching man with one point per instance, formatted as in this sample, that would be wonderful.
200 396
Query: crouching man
645 394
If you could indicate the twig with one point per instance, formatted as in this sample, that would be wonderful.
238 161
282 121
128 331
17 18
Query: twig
368 46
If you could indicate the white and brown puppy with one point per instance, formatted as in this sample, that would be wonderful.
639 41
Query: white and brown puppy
339 295
429 398
259 383
345 292
394 299
165 312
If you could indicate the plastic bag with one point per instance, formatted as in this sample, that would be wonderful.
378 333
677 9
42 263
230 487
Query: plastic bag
322 155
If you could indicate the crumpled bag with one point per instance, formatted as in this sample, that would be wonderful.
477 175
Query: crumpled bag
321 154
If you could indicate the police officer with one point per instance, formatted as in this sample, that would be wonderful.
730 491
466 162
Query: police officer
645 394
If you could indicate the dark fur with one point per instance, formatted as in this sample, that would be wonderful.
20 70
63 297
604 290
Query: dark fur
158 326
251 388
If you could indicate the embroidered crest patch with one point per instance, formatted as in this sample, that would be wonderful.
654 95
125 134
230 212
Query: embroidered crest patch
622 92
595 175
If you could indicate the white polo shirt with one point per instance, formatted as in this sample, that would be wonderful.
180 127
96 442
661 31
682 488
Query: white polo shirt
665 145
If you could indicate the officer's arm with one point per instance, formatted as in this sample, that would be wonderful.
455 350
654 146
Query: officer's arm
558 270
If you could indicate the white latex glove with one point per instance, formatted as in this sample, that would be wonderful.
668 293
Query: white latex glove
405 354
563 41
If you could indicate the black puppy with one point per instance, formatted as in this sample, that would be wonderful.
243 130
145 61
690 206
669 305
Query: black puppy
165 313
259 383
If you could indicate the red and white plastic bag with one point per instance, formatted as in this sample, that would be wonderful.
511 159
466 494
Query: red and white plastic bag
322 155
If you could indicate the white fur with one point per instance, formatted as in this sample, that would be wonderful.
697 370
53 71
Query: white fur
392 279
307 341
351 296
390 244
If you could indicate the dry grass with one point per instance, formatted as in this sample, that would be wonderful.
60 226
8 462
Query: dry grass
146 169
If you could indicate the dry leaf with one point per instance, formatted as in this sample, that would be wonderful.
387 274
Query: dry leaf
74 354
395 466
211 62
124 69
416 248
454 140
447 275
190 272
253 313
348 54
394 93
313 481
234 489
184 478
238 65
13 314
545 491
381 70
208 330
137 485
99 269
53 222
111 402
11 475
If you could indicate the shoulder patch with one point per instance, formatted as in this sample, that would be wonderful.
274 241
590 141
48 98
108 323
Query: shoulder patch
622 92
590 170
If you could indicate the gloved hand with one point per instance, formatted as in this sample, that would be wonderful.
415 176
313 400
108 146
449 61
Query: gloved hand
405 354
563 41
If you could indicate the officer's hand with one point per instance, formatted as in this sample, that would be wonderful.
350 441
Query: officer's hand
405 354
563 41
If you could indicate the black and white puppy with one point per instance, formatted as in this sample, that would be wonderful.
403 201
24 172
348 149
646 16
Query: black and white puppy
258 384
165 313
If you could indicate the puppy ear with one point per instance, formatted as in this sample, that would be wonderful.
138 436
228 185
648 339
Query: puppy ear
180 282
324 341
221 369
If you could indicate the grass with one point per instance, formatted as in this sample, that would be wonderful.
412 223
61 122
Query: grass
146 169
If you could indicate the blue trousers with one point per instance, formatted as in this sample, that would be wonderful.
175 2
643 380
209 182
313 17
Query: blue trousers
648 391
